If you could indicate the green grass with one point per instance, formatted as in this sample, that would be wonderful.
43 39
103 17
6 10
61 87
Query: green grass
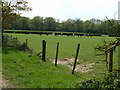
25 71
32 72
68 44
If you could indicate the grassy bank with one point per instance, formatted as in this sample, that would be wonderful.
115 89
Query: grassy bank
21 70
31 72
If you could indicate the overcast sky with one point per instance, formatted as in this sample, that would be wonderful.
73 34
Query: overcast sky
64 9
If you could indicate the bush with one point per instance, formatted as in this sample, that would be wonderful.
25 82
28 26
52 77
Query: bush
9 41
112 80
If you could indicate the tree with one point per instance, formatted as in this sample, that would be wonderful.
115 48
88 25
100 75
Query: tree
79 25
49 24
89 26
115 26
37 23
67 26
22 23
10 11
57 25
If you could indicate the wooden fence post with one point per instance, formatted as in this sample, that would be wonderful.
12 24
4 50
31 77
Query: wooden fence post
110 60
56 54
76 58
43 50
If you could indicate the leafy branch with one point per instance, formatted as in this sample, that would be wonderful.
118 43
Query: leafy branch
109 46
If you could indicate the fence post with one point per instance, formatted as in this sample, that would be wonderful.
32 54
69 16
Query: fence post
56 54
76 58
110 60
43 50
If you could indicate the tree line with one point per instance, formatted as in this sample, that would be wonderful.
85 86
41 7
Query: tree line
11 19
70 25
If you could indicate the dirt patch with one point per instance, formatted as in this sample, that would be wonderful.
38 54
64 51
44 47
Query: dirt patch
5 83
79 67
65 61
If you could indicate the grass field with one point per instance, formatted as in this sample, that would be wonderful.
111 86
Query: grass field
32 72
68 44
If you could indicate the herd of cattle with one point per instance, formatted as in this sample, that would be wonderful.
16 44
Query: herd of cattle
56 33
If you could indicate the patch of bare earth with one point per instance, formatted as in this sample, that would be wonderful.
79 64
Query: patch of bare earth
79 67
5 83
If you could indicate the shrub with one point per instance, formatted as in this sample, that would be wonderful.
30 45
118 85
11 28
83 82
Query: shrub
112 80
9 41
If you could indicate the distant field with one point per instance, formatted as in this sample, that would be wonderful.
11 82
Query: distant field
68 45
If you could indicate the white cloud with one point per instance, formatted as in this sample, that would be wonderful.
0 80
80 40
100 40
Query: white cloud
63 9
